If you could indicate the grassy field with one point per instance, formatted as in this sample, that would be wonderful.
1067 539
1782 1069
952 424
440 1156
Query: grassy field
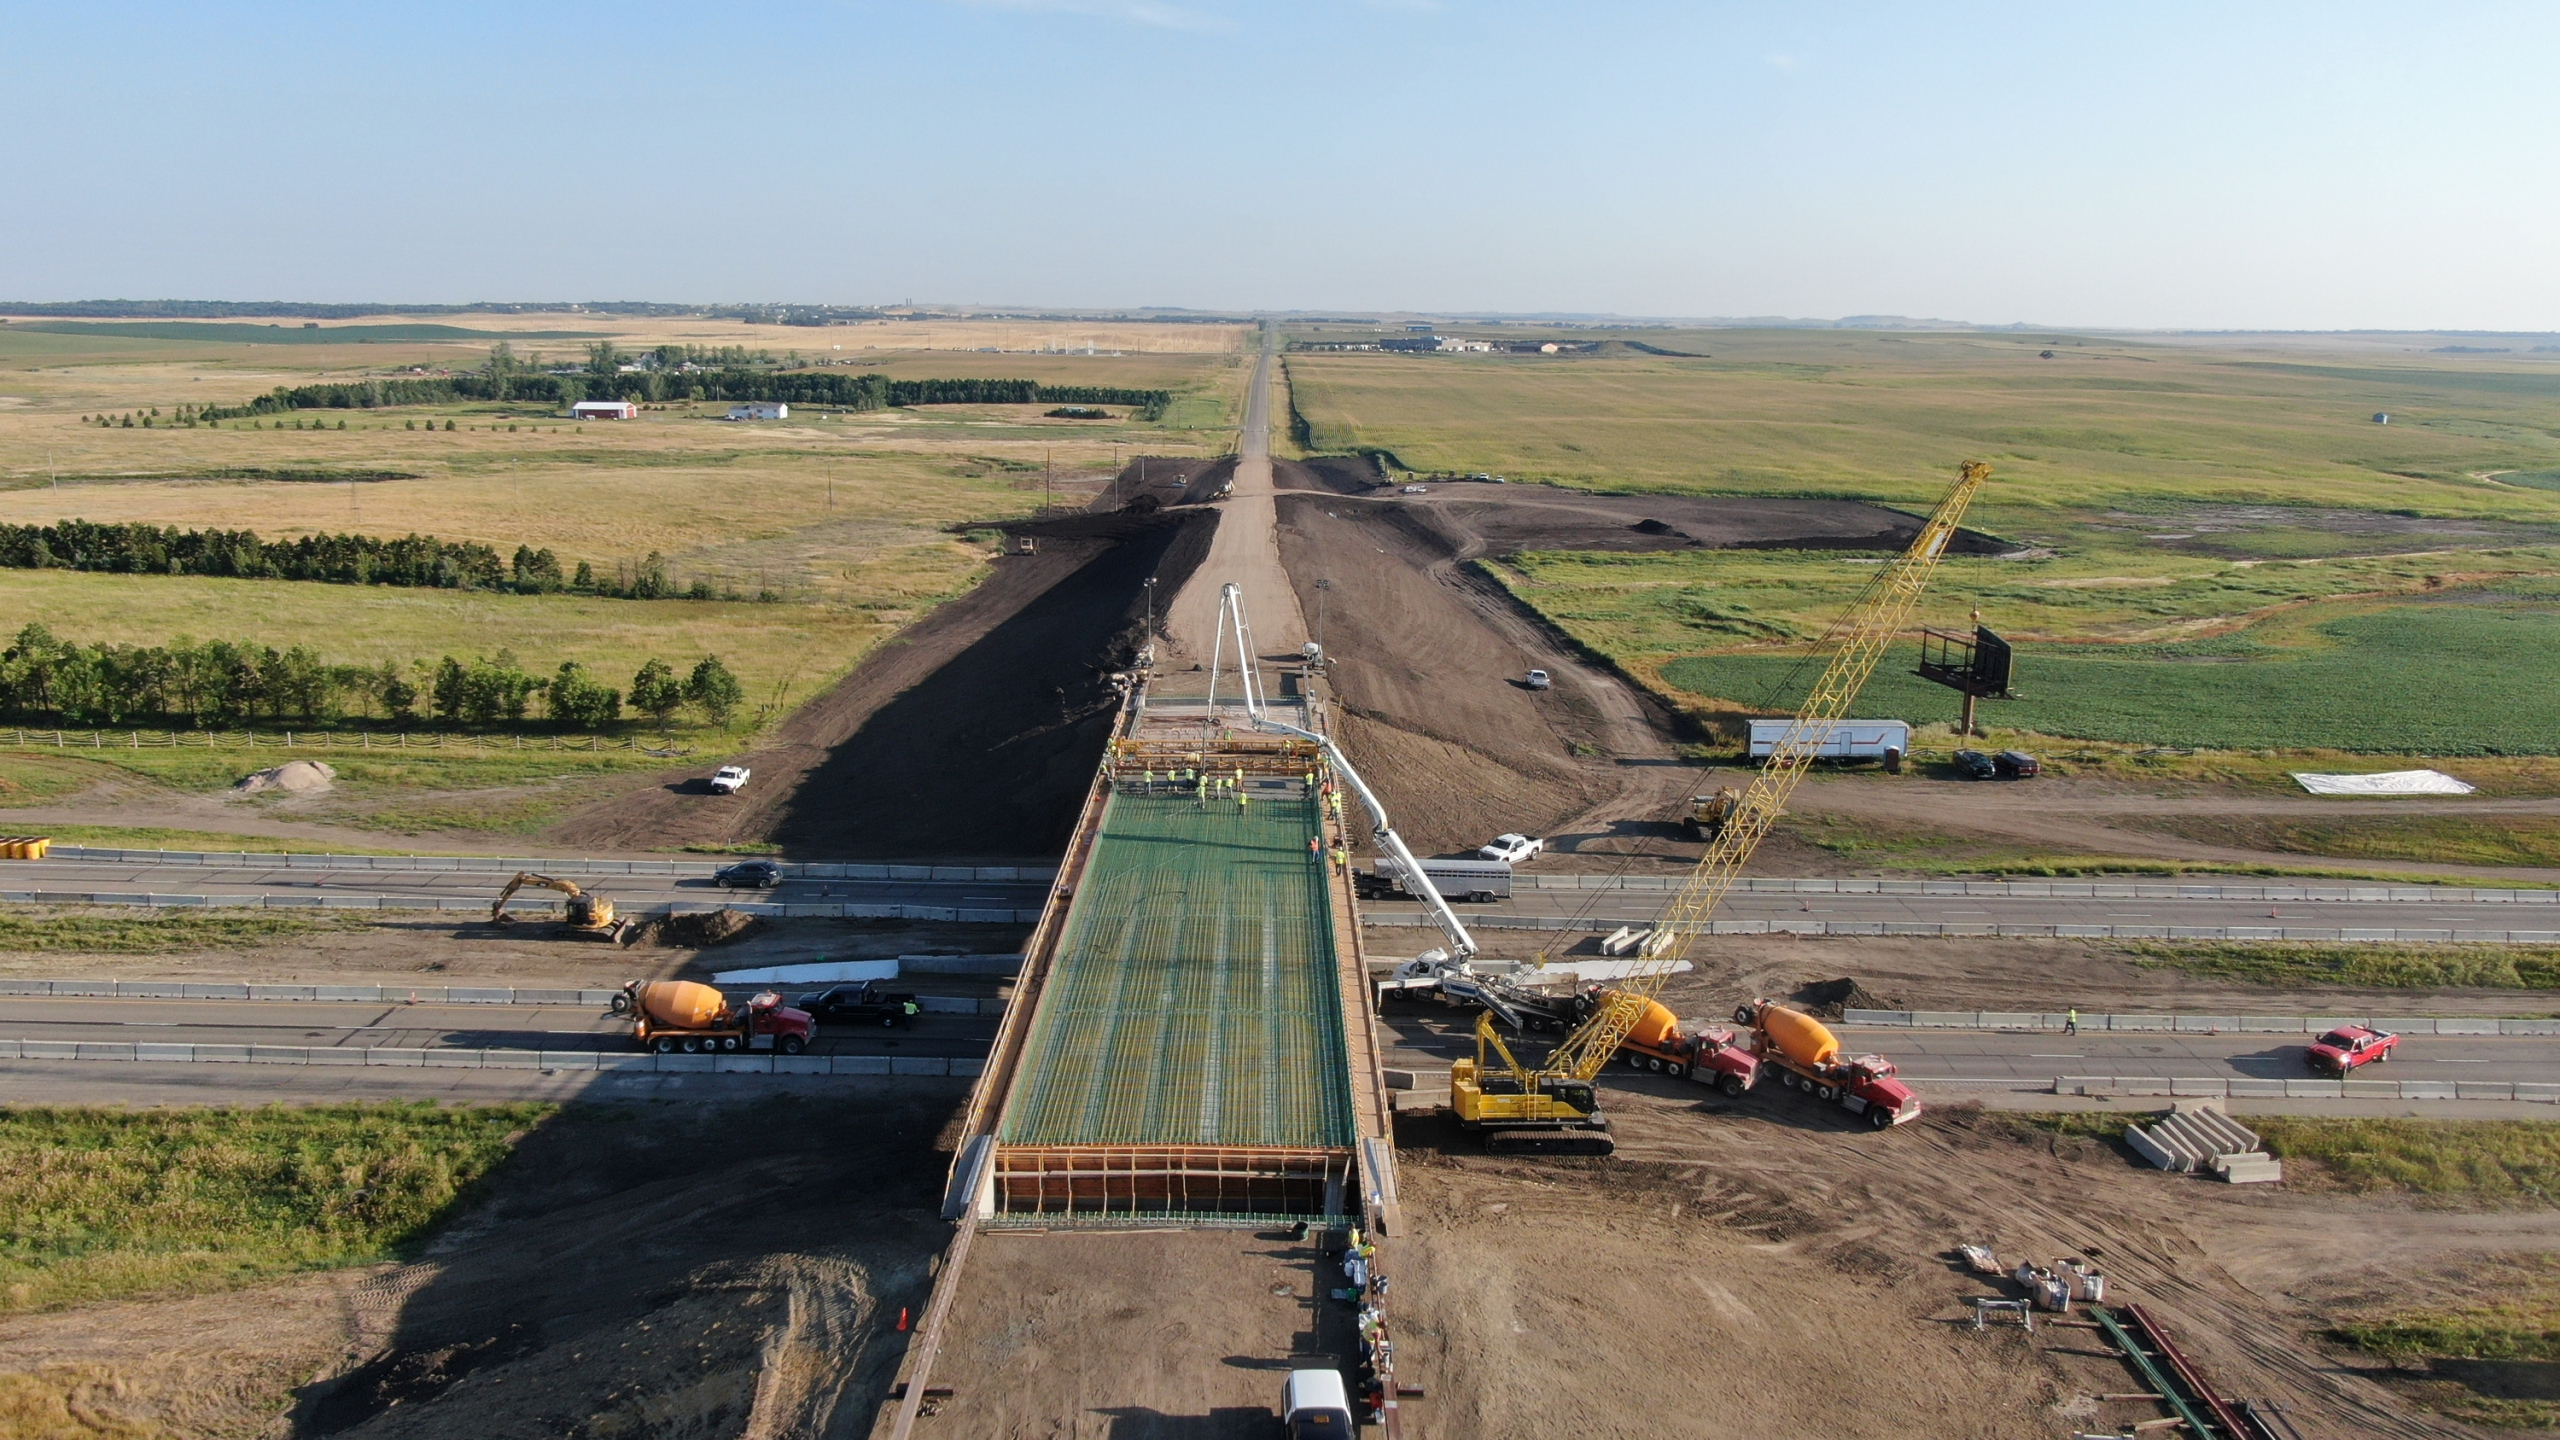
2505 1310
169 932
1920 850
2294 964
97 1204
2492 1164
1886 415
2435 679
2531 840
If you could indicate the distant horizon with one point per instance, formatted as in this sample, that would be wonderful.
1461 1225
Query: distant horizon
65 310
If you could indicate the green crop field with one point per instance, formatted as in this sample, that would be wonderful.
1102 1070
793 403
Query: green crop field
2439 679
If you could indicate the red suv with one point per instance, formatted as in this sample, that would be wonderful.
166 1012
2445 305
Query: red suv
2349 1046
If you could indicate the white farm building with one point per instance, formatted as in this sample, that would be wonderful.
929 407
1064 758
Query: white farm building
760 410
604 410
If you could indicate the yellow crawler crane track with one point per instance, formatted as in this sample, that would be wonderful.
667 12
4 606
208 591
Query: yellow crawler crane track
1860 635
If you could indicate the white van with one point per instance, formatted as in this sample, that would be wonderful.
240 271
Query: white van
1315 1406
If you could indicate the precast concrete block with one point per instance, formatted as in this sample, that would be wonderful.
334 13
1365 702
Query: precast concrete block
685 1064
8 1049
2207 1024
919 1065
568 1059
477 995
2008 1020
2312 1090
1875 1017
279 1054
452 1057
103 1049
2142 1085
161 1050
2406 1025
2184 1085
222 1054
2139 1022
335 1055
626 1060
2529 1027
968 1069
744 1064
2239 1089
26 987
100 989
2482 1089
1944 1019
2429 1090
2369 1089
2466 1025
284 992
217 992
395 1055
496 1058
801 1065
599 998
369 994
2538 1092
858 1065
151 989
2269 1024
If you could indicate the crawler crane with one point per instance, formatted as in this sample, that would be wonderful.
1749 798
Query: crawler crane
1550 1107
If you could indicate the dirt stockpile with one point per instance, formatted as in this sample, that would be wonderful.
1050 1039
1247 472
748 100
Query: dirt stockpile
971 735
702 929
293 777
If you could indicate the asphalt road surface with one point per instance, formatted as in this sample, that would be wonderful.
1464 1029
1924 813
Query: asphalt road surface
425 1026
1428 1037
480 886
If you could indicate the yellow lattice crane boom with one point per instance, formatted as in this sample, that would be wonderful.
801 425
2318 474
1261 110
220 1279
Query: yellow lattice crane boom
1858 642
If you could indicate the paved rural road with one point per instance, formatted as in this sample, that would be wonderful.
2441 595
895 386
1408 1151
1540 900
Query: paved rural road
1431 1038
643 891
426 1026
1245 549
1604 909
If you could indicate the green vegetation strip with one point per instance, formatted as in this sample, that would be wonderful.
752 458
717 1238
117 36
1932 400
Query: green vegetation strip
2502 1163
1195 999
161 932
2293 963
96 1204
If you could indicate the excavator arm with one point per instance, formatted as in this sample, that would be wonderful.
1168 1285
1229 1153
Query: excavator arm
498 911
1858 642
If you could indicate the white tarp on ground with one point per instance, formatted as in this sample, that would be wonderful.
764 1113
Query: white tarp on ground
2388 782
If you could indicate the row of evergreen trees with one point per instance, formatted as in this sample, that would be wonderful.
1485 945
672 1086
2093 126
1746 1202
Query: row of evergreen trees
218 683
411 560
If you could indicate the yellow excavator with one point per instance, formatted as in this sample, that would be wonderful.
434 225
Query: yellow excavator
580 912
1551 1107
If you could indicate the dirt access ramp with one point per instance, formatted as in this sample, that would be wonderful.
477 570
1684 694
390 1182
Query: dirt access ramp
972 735
1429 658
1133 1335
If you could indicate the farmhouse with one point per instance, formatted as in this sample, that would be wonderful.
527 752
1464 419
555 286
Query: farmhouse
604 410
760 410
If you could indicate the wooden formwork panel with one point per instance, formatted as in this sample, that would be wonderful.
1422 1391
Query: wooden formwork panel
1173 1180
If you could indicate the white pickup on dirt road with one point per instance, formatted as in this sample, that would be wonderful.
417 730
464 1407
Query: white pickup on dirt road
730 779
1512 849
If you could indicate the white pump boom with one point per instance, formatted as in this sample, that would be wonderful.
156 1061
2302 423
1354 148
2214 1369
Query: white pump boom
1232 624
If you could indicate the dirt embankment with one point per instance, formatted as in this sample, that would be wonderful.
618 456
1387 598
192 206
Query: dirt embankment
972 735
637 1269
1761 1268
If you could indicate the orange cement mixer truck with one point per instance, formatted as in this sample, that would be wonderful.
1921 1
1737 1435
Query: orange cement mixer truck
681 1015
1807 1057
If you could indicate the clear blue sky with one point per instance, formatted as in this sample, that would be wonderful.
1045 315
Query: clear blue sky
2221 165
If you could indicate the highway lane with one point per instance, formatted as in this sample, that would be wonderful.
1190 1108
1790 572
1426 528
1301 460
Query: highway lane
1429 1037
127 877
1606 909
424 1026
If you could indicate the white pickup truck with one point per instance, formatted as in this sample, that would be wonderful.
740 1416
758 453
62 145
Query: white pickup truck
730 779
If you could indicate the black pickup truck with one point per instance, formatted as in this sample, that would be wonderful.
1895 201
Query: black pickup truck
862 1004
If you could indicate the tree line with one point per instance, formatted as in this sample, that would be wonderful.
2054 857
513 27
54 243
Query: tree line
413 560
849 392
221 683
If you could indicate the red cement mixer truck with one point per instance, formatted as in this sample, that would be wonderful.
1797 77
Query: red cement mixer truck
672 1015
1807 1056
1709 1057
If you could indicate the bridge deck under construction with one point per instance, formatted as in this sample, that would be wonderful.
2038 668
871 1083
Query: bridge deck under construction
1195 998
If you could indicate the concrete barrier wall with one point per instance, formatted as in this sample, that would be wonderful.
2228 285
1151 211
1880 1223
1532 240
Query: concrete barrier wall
2190 1024
546 1061
2243 1089
945 914
2005 932
2063 889
548 865
408 994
